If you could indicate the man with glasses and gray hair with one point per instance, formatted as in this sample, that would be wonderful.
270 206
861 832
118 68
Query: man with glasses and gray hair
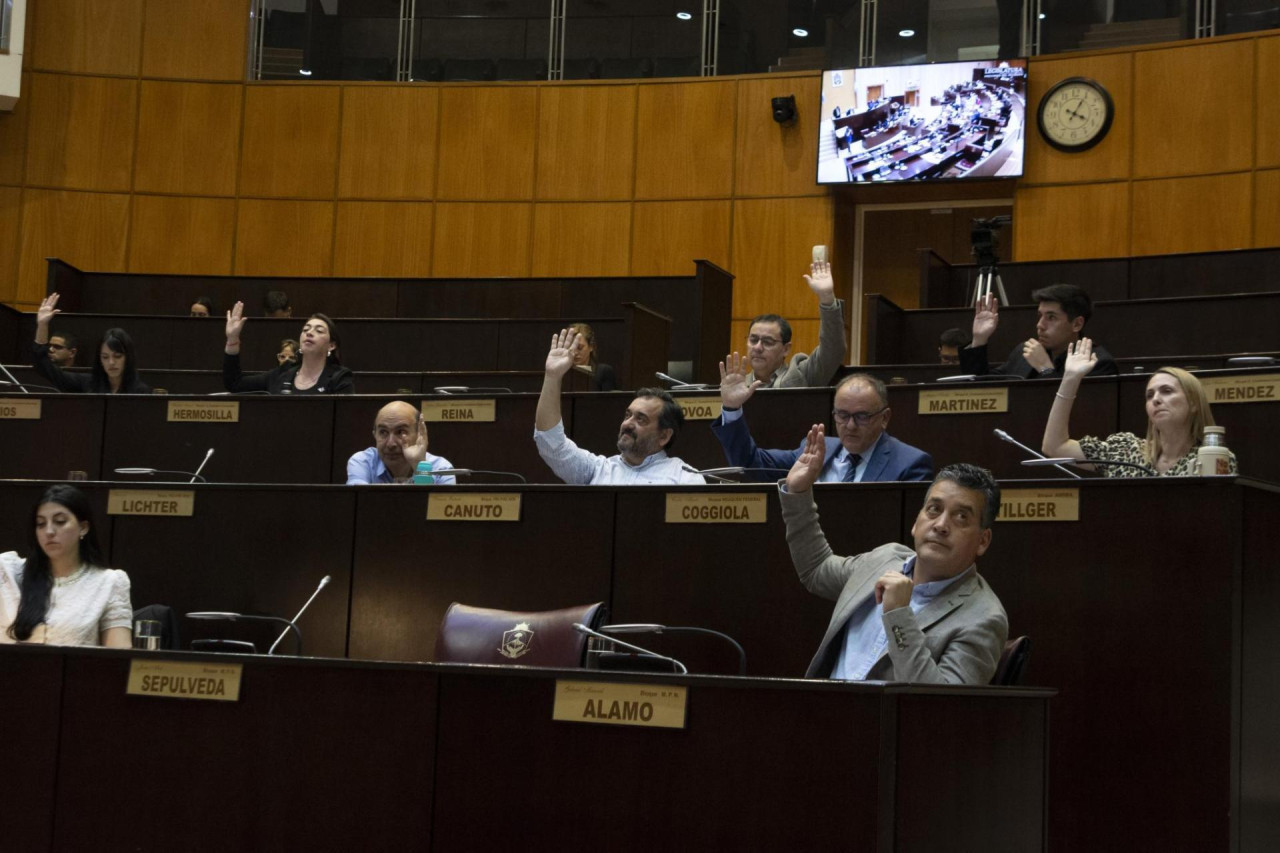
769 341
863 452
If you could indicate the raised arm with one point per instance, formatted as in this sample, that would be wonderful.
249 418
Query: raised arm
986 319
821 283
735 390
1057 437
235 323
44 315
559 361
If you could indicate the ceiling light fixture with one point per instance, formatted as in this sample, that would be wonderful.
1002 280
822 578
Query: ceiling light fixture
685 16
906 34
800 31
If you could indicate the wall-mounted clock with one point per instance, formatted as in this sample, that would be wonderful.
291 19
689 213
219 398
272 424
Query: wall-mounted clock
1075 114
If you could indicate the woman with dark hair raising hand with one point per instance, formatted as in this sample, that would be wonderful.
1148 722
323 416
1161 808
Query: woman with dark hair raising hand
115 370
316 369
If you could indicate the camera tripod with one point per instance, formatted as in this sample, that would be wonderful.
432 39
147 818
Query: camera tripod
989 280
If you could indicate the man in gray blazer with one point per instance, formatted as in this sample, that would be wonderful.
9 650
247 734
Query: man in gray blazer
769 341
922 615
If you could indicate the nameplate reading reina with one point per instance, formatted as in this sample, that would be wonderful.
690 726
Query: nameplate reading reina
716 509
1039 505
217 682
205 411
150 502
12 409
473 506
964 401
700 408
1260 388
457 410
611 704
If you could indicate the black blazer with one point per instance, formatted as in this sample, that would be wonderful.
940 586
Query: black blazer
974 360
79 383
334 379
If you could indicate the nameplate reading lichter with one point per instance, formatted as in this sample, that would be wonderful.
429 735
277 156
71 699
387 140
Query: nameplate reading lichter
473 506
13 409
1039 505
466 411
217 682
150 502
202 411
700 408
964 401
611 704
1264 388
684 508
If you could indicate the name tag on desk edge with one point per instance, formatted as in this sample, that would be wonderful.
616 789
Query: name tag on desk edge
19 409
218 682
151 502
1259 388
204 411
964 401
473 506
645 705
1039 505
709 508
700 408
451 411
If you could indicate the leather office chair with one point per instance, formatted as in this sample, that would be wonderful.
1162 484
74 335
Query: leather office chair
511 637
1012 662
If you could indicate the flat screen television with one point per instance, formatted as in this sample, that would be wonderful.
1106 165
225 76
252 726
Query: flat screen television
939 122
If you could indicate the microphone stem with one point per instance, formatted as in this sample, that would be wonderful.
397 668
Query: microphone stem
1012 440
293 623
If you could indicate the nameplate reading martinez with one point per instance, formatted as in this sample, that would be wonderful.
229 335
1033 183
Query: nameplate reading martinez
150 502
216 682
1039 505
19 410
1262 388
964 401
701 508
607 703
457 410
700 408
205 411
473 506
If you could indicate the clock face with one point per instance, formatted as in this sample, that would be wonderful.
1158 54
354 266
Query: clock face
1075 114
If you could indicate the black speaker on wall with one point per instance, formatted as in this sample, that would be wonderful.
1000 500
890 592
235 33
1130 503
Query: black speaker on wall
784 110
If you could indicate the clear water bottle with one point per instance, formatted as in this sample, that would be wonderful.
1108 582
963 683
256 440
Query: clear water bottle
1214 458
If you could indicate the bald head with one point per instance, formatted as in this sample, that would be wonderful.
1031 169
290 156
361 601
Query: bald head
397 426
398 410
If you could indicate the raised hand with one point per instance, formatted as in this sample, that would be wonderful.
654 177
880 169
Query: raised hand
48 308
560 356
986 318
235 322
804 473
734 388
1036 355
820 282
1080 359
416 452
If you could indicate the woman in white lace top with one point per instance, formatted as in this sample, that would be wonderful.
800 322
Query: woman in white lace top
63 593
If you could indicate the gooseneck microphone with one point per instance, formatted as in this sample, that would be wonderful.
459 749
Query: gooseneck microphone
1059 461
680 385
467 472
25 389
1004 436
718 474
583 629
149 472
293 623
202 464
649 628
215 615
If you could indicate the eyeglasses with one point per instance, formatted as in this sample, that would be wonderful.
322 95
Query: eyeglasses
767 343
859 418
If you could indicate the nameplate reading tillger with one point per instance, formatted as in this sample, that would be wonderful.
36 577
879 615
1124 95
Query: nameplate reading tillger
456 410
701 508
964 401
473 506
612 704
19 410
700 408
205 411
150 502
1039 505
1262 388
217 682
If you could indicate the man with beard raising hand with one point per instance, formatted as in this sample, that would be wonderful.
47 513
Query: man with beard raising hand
648 429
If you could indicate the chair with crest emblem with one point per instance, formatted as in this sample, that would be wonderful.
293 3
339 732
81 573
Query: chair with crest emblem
512 637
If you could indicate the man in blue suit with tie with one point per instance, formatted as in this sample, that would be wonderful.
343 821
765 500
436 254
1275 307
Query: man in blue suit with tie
863 452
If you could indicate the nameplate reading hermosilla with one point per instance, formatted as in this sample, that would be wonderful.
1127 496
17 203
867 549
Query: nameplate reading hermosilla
204 411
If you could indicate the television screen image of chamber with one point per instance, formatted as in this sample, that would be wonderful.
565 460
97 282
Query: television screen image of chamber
939 122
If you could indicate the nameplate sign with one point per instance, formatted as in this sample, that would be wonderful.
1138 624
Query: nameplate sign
465 411
473 506
700 408
150 502
17 409
217 682
1039 505
611 704
683 508
964 401
202 411
1263 388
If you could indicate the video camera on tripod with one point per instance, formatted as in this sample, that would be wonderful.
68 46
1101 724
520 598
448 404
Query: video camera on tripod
982 237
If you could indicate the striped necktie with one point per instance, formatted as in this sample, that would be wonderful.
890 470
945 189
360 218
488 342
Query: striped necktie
850 476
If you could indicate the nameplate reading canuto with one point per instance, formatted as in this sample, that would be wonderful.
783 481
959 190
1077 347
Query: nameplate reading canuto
1039 505
964 401
1262 388
645 705
19 410
700 408
205 411
473 506
150 502
716 509
218 682
465 411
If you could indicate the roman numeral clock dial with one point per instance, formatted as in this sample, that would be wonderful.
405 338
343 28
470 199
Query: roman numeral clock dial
1075 114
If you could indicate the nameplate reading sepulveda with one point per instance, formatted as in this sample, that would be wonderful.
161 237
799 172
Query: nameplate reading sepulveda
700 408
12 409
205 411
646 705
473 506
218 682
466 411
964 401
150 502
1039 505
1260 388
683 508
